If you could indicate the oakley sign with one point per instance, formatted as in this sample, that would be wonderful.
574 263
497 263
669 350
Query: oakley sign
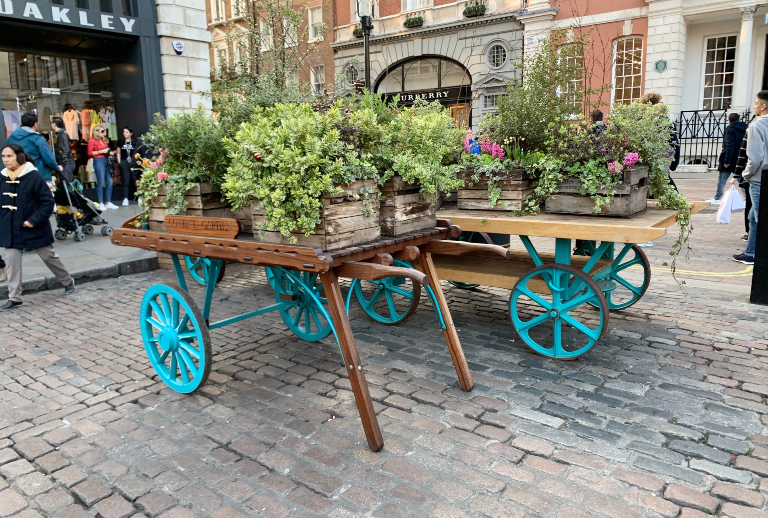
60 15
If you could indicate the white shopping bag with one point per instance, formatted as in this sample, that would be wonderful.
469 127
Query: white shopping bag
731 201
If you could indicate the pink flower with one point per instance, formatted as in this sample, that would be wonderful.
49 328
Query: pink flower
631 159
603 149
155 165
162 176
160 159
497 151
485 146
614 167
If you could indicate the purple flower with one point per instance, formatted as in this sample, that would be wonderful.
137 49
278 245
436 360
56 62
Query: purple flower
497 151
485 146
603 150
631 159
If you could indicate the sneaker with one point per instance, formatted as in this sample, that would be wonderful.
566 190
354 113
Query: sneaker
744 258
713 200
101 207
646 245
10 305
111 205
126 202
69 290
745 237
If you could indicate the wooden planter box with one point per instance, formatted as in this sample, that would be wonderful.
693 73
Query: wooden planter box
404 208
201 201
630 198
516 185
342 221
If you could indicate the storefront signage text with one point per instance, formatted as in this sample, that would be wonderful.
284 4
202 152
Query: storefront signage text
44 12
439 94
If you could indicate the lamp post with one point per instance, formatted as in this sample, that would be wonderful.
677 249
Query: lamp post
365 12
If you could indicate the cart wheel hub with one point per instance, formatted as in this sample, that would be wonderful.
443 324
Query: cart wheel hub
553 313
169 340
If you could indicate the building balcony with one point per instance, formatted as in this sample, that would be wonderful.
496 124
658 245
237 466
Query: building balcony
432 15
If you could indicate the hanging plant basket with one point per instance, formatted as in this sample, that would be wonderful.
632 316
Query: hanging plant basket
416 21
630 197
474 10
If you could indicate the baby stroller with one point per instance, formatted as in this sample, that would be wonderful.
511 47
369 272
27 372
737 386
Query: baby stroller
76 214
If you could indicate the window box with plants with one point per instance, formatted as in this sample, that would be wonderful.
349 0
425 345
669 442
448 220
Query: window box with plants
413 21
473 10
358 32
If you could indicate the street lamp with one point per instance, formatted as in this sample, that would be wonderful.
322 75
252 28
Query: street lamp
365 13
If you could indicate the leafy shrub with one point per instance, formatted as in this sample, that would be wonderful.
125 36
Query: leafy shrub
474 10
414 21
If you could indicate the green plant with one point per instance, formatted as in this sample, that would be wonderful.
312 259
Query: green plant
285 159
474 10
187 149
358 33
414 21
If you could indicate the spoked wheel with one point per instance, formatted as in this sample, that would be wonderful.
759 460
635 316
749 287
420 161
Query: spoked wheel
551 310
176 338
60 234
621 292
200 269
389 300
472 237
305 315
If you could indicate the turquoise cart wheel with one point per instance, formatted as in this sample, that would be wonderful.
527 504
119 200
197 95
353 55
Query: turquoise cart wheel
200 268
551 310
472 237
176 338
620 292
306 316
390 300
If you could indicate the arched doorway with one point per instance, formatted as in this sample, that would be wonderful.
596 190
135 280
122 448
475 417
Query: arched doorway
432 78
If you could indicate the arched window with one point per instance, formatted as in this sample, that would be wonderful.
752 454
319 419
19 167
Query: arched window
423 74
628 69
352 73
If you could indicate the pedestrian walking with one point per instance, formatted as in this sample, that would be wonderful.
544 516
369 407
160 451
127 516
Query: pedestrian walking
757 162
98 150
741 163
598 126
26 204
63 150
734 134
35 145
126 162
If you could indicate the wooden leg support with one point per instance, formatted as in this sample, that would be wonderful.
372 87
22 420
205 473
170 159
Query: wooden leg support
451 337
352 359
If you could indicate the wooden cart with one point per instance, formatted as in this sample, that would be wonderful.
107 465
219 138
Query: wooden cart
560 302
307 294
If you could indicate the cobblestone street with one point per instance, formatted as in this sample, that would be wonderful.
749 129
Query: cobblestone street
666 417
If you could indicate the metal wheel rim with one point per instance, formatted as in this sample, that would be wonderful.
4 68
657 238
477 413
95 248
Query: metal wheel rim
307 306
200 269
175 338
570 289
612 274
385 287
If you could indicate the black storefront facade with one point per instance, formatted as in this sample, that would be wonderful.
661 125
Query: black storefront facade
99 58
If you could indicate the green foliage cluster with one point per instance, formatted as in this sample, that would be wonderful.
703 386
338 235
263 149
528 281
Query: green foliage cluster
474 10
413 21
188 149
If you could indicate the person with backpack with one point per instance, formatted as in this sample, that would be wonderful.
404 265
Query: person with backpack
35 145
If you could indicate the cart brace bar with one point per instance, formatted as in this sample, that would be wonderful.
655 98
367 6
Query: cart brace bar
463 247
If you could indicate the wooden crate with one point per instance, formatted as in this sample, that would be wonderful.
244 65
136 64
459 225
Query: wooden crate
201 201
629 200
343 221
404 208
515 184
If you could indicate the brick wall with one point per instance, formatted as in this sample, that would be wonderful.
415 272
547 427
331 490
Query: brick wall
343 14
389 7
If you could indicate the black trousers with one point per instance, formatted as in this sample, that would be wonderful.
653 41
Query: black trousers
748 204
128 177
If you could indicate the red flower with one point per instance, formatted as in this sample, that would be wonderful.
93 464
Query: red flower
256 157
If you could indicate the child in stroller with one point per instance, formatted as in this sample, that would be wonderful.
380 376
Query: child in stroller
76 214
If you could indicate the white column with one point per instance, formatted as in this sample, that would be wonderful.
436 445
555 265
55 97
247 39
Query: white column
741 79
666 41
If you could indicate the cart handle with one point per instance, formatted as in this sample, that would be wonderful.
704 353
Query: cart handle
376 272
442 247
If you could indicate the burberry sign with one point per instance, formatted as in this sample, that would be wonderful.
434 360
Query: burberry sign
61 15
439 94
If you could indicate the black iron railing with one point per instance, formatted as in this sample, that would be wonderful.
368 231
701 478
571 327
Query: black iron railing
700 133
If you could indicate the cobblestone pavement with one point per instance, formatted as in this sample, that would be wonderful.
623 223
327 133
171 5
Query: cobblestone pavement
666 417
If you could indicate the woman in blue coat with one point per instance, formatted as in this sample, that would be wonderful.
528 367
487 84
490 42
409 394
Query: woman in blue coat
26 204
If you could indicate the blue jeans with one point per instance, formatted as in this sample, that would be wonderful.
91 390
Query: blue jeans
754 194
103 179
721 182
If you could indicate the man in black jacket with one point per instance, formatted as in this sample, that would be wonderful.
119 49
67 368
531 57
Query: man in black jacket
63 150
734 134
741 161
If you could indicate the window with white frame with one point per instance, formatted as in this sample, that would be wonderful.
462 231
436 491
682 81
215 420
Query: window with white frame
352 73
290 32
217 10
719 64
242 58
491 100
221 58
315 15
318 78
293 76
497 56
412 5
572 65
238 8
628 69
265 35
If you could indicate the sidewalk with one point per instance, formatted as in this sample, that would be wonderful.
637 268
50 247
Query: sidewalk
95 258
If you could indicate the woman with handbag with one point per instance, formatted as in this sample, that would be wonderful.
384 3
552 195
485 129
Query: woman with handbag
98 150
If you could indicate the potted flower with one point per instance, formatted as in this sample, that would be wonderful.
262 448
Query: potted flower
304 184
477 9
413 21
358 32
